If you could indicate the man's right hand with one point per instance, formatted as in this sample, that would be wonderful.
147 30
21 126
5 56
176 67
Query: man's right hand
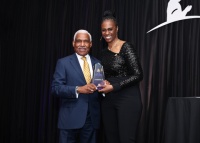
86 89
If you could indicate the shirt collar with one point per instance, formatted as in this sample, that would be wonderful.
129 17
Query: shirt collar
79 56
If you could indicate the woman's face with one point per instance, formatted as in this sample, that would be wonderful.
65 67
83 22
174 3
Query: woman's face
109 30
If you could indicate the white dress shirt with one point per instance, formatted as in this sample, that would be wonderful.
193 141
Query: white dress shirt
89 62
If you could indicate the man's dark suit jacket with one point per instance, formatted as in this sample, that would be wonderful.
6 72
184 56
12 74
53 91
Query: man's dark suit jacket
73 111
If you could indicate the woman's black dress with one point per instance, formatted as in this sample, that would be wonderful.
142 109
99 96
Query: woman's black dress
121 108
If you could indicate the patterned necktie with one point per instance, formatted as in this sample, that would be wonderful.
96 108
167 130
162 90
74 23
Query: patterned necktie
86 70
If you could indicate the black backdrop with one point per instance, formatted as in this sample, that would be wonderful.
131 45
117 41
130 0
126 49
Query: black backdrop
34 34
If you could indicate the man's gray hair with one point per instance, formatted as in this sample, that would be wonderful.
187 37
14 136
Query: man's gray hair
83 31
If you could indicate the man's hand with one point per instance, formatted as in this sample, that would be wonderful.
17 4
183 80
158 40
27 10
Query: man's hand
86 89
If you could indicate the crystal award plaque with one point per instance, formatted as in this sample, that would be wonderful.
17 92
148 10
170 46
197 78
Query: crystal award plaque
98 75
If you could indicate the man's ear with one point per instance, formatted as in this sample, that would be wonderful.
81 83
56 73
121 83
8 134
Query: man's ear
73 43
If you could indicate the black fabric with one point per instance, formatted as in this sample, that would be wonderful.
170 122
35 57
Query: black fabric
122 69
182 120
121 112
121 108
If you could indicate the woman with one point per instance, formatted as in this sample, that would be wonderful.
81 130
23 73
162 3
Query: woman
121 107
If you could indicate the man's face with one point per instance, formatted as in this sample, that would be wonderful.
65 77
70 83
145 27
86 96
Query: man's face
82 44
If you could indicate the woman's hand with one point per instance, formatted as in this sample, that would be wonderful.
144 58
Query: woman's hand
105 88
106 82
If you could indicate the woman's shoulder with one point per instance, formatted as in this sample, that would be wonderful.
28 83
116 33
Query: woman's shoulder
127 46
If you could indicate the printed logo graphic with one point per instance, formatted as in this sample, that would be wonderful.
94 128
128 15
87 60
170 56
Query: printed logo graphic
175 13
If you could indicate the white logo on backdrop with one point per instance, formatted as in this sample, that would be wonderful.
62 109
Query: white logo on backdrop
175 13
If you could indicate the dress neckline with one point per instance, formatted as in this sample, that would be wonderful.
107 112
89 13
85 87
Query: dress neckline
115 52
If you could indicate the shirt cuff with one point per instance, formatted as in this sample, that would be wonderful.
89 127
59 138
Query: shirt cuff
76 91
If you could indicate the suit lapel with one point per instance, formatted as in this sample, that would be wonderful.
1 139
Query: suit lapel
76 66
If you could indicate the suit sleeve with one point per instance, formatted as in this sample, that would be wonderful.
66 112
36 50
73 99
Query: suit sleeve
59 87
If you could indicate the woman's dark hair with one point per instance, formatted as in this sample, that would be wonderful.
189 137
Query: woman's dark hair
109 15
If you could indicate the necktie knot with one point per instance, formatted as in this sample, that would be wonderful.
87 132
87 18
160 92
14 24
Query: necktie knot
84 59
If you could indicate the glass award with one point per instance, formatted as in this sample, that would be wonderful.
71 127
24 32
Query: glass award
98 75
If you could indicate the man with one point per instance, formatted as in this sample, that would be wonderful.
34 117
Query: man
79 114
